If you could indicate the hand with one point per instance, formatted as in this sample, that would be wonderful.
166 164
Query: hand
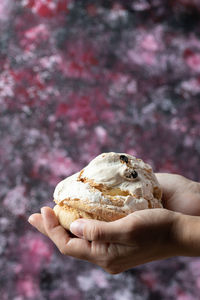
141 237
180 194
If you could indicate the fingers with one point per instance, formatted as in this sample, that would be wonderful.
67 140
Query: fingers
80 249
37 221
96 252
54 230
112 232
68 246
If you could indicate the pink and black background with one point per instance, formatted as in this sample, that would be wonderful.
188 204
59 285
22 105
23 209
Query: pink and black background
78 78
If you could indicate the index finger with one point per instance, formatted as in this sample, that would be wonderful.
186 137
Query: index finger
75 247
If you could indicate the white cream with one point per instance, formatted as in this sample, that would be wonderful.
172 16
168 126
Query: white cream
111 171
71 188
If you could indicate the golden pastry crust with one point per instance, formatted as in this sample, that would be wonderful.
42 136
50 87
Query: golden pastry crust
76 209
66 215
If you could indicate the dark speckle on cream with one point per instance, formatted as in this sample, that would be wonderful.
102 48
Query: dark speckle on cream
124 158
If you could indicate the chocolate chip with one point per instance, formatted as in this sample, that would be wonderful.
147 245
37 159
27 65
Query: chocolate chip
134 174
124 158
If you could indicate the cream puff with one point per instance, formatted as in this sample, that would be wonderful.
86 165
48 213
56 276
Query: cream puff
110 187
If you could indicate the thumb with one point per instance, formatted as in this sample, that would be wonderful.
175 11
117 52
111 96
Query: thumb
93 230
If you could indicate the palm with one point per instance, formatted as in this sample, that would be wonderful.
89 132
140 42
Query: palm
180 194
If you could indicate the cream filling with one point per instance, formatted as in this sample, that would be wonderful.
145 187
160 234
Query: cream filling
109 170
73 189
113 174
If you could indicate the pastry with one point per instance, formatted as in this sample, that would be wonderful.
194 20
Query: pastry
110 187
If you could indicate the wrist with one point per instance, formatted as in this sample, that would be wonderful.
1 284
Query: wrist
186 235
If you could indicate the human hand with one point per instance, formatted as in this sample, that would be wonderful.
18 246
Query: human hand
141 237
180 194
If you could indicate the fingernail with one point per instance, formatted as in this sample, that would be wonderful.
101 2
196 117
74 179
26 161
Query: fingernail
42 211
77 228
30 219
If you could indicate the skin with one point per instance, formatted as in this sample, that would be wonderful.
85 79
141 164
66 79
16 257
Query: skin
140 237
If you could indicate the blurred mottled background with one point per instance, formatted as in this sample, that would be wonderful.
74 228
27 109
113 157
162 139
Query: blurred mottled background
81 77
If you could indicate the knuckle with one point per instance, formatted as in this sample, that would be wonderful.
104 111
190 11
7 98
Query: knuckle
95 233
133 231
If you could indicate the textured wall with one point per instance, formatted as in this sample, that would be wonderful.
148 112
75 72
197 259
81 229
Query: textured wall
78 78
